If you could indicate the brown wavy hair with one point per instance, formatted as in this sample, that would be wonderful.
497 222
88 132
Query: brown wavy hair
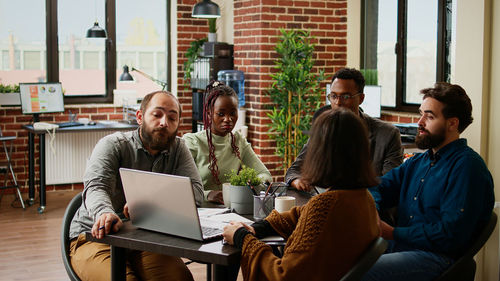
214 90
338 153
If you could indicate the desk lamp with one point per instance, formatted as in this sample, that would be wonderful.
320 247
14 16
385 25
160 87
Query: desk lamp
126 76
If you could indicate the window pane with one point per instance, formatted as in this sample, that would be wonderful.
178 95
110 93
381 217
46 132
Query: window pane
141 43
379 42
81 72
22 45
421 49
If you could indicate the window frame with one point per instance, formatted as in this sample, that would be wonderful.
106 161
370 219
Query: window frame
400 48
110 51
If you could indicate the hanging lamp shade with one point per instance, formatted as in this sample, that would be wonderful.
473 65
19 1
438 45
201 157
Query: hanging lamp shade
206 9
126 76
96 31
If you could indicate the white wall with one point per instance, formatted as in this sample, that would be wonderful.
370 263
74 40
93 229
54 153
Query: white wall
353 33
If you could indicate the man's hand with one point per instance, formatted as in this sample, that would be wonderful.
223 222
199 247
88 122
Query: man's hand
386 231
215 196
231 228
106 223
301 185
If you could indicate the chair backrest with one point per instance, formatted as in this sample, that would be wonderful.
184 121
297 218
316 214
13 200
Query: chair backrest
465 267
374 251
68 217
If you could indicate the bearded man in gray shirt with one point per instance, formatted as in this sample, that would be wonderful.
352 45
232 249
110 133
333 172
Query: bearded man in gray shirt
155 147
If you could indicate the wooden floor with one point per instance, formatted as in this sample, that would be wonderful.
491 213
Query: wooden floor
30 245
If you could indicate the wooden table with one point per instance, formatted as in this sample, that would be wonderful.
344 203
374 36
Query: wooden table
223 257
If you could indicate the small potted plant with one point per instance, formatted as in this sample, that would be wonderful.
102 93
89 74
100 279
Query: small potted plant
244 185
212 30
9 95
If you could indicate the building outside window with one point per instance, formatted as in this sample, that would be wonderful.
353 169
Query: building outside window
88 68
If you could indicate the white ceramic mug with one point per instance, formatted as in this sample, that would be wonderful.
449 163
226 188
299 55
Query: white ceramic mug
226 194
284 203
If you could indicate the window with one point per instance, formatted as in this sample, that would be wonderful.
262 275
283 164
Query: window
44 41
22 44
141 44
408 42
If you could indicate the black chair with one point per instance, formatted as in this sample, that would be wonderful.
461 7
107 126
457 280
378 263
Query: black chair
68 217
6 168
374 251
464 268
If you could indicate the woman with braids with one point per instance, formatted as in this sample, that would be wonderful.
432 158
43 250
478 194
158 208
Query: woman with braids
326 236
217 150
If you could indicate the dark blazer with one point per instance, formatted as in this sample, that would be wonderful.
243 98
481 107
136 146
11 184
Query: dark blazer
385 145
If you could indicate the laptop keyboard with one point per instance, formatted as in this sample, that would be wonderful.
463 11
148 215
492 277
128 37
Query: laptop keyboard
209 232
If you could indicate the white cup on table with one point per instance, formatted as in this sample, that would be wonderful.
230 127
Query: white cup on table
226 194
284 203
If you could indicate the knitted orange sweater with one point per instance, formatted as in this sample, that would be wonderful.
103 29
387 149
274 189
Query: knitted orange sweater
324 238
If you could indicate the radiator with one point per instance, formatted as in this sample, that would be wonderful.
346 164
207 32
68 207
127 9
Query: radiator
66 155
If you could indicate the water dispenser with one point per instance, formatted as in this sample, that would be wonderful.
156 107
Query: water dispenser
236 80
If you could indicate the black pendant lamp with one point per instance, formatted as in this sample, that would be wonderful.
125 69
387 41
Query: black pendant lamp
96 31
206 9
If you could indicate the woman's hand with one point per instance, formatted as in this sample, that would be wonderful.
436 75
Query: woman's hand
231 228
215 196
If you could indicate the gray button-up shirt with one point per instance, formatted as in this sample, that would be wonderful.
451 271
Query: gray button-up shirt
103 191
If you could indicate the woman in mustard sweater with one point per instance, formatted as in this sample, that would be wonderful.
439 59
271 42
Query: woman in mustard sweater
326 236
217 150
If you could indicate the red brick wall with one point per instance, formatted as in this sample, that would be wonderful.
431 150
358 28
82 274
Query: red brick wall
256 31
11 120
188 30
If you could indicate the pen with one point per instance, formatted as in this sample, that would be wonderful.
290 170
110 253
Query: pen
315 189
253 189
112 224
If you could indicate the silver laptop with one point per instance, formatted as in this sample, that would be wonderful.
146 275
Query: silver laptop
164 203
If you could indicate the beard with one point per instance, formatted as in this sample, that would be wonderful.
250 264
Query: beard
157 139
429 140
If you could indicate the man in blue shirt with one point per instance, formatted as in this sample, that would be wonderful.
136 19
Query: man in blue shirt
444 195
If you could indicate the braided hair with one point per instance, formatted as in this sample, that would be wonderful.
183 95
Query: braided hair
214 90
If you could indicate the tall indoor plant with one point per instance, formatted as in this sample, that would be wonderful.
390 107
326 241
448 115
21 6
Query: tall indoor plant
295 92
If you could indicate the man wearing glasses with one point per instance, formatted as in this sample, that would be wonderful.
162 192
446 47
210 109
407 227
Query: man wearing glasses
385 142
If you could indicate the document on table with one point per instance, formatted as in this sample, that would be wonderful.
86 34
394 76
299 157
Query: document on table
217 218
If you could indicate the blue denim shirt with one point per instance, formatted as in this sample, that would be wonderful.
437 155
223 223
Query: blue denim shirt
443 199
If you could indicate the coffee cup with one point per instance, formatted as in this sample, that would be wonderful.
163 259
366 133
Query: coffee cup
284 203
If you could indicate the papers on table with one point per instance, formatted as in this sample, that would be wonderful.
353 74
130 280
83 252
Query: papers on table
219 217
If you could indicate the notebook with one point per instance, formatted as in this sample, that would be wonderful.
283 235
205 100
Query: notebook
164 203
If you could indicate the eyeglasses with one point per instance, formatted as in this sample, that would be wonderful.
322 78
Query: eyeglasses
334 97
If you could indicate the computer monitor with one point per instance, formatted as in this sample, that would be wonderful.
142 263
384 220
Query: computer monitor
39 98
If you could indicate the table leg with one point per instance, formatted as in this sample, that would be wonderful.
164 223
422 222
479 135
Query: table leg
117 263
229 273
31 169
42 173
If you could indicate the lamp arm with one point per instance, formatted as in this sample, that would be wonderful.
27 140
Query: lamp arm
161 83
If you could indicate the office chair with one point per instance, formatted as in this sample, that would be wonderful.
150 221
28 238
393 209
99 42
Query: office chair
374 251
465 267
6 167
68 217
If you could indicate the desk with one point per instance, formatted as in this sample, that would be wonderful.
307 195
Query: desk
105 126
130 237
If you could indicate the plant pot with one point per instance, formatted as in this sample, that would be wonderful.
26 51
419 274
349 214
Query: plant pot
241 200
10 99
212 37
